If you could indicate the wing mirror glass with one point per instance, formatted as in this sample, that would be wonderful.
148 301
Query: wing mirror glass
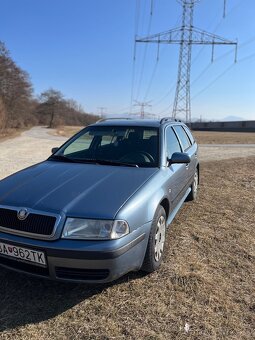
179 158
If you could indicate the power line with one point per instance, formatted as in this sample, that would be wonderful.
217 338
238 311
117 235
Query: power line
234 7
214 81
165 96
145 53
251 56
151 80
156 67
186 37
244 44
201 74
137 19
225 14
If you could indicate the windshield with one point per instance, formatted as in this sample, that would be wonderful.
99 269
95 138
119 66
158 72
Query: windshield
113 145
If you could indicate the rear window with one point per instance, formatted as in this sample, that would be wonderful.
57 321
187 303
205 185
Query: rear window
183 137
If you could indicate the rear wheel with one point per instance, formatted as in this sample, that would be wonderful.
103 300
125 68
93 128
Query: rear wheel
155 247
194 188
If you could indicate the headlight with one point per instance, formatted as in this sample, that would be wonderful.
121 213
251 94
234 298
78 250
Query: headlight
77 228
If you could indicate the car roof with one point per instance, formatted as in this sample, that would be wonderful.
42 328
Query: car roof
136 122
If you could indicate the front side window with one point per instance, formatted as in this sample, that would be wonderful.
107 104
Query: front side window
120 145
172 142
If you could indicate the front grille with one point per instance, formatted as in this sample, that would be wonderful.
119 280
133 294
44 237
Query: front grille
25 267
81 274
34 223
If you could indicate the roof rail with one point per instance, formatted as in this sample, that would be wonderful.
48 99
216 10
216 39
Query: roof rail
169 119
104 119
166 119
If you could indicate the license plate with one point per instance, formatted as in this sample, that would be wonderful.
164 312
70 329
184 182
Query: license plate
24 254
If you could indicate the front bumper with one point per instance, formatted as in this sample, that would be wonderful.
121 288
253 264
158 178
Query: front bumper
82 261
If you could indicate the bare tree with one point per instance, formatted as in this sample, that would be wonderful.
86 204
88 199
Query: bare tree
51 102
15 90
18 107
2 116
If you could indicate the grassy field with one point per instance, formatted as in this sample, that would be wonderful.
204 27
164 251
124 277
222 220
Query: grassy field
206 281
67 131
215 137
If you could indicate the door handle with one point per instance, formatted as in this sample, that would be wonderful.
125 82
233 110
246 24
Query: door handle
187 166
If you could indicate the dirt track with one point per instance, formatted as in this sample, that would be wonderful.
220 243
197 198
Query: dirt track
31 147
35 145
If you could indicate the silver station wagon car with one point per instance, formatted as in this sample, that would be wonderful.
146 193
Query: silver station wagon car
99 206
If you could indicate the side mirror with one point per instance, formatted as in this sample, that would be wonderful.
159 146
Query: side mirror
53 150
179 158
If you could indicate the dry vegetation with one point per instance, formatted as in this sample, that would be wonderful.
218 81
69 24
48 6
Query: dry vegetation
207 278
215 137
67 131
19 108
10 133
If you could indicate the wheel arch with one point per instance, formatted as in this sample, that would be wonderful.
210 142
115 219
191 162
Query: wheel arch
198 170
166 205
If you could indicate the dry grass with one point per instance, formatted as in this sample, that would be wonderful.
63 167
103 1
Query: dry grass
67 131
206 280
215 137
10 133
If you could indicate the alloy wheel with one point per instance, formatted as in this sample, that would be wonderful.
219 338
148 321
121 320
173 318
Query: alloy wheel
160 238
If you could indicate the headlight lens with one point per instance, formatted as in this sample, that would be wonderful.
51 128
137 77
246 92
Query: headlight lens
77 228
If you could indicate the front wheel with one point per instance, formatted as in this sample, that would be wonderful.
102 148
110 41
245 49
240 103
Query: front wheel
155 247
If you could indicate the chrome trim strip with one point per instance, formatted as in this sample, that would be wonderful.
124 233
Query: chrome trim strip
27 234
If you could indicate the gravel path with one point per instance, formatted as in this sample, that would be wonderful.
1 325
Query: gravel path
35 145
31 147
225 151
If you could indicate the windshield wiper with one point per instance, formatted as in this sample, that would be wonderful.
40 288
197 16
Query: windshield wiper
91 160
105 162
62 158
108 162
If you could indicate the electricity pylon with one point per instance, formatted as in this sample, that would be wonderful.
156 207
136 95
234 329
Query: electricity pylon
142 105
102 111
186 36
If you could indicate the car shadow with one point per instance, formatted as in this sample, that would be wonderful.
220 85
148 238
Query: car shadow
28 300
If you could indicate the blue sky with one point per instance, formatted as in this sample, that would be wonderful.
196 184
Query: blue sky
84 48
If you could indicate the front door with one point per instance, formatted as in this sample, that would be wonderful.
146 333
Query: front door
177 173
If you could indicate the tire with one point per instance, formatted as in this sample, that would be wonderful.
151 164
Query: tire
194 188
155 247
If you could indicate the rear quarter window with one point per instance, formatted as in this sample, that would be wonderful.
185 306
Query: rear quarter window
191 138
186 143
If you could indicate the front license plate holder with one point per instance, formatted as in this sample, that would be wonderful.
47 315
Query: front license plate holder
24 254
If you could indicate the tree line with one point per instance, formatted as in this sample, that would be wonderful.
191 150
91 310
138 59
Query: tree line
19 108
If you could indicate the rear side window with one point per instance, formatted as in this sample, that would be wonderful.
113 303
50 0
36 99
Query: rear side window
172 142
183 137
191 138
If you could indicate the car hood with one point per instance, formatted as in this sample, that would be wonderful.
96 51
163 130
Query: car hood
81 190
